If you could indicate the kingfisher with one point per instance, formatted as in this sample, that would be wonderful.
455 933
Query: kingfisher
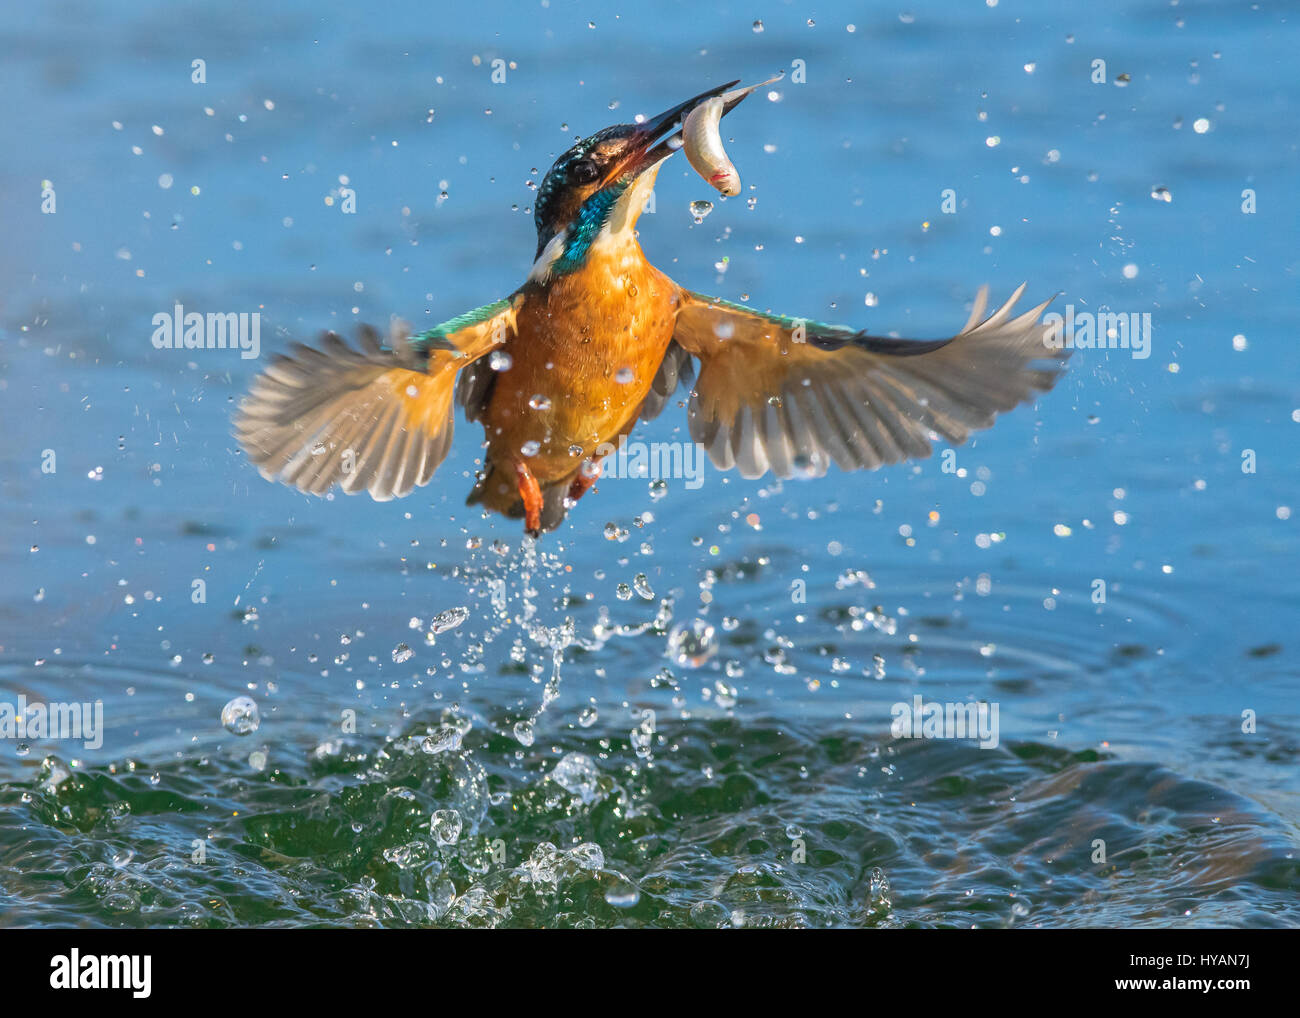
597 339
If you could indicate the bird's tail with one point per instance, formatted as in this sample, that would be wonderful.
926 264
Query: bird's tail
498 491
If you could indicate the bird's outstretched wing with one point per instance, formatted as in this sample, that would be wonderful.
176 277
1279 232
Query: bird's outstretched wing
792 396
377 419
675 369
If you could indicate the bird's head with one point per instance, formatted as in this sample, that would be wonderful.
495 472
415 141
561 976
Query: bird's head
602 183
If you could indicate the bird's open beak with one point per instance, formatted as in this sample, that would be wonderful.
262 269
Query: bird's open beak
659 137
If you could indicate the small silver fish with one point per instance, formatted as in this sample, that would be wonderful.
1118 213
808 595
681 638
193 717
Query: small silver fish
702 141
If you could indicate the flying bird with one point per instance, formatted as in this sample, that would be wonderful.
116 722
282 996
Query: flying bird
597 339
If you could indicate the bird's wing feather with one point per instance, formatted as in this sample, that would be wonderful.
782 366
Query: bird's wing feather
792 396
375 419
676 368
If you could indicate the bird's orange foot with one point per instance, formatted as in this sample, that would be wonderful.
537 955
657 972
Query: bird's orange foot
531 493
587 476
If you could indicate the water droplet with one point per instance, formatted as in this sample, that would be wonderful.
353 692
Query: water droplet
500 361
578 775
531 448
446 739
524 733
642 586
241 715
402 653
700 209
1162 194
449 619
445 826
588 716
658 489
539 402
692 643
622 895
588 856
642 739
624 375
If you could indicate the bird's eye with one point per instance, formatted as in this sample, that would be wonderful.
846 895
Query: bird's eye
585 171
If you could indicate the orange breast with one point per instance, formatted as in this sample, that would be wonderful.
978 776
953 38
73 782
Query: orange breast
586 349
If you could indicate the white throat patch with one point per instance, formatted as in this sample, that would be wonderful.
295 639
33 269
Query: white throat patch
541 270
617 232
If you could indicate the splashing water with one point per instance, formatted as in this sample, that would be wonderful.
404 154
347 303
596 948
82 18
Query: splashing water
241 716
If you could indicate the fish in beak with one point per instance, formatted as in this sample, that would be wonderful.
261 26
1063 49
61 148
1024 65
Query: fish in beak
658 137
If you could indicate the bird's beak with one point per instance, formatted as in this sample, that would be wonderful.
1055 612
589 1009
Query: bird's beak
659 137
